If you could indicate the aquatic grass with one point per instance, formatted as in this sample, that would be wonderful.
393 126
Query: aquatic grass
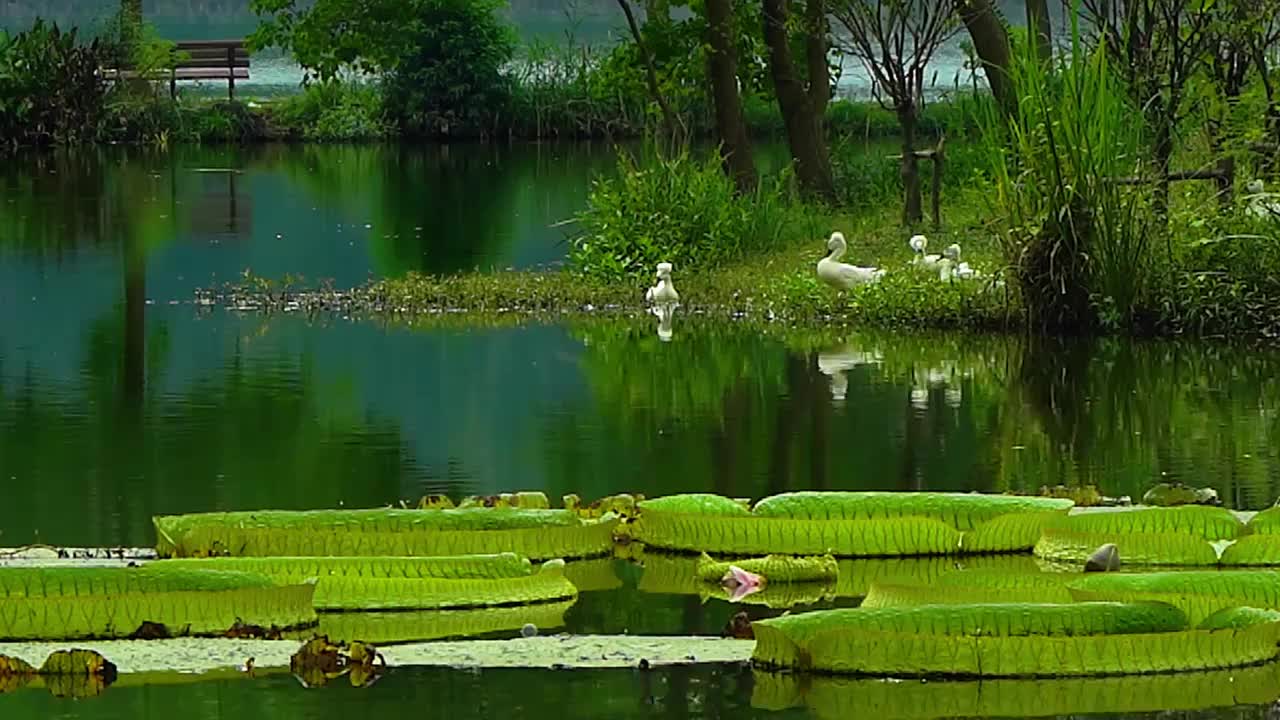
333 111
1077 237
681 209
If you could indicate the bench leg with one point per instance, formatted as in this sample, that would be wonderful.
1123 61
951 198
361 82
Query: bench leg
231 86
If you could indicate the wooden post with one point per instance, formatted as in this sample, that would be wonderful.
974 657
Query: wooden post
939 159
231 73
173 83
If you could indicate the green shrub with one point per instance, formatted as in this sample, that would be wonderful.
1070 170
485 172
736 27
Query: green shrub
440 61
50 88
681 210
334 111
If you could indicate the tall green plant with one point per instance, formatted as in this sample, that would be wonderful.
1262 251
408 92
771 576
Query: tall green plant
681 209
50 87
1075 234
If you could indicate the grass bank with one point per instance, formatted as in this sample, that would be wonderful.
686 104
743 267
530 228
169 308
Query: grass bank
777 286
350 113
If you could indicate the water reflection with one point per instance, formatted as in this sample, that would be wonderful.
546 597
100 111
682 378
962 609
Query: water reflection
673 692
835 363
204 214
151 408
666 314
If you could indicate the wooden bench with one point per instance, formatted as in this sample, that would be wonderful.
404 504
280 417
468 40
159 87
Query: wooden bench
203 60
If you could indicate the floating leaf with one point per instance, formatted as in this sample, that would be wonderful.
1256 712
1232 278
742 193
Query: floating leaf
962 511
1197 593
1261 549
774 568
536 534
1206 523
373 583
972 587
74 603
1007 640
1136 548
420 626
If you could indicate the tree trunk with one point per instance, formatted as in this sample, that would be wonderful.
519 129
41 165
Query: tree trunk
651 73
991 43
804 132
815 47
1039 29
735 145
912 209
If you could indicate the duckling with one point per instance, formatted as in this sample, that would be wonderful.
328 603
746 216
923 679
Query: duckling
919 244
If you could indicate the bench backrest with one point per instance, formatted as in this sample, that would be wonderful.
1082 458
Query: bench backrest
213 54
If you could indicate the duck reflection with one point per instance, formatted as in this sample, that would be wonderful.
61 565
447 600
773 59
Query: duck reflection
665 312
835 363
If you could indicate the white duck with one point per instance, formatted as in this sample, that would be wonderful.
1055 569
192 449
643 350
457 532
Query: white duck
919 244
1262 204
843 276
664 293
953 268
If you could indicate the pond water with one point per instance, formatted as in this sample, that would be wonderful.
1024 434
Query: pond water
120 399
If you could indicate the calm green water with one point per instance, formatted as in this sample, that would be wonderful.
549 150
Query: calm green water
119 399
117 404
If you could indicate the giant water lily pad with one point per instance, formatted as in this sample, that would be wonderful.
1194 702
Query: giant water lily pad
74 603
536 534
1197 593
1186 535
402 627
1008 640
379 583
968 587
1253 550
846 524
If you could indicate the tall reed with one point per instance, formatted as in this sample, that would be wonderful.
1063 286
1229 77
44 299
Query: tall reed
1075 236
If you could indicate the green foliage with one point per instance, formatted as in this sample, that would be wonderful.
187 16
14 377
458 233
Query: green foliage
139 47
1078 240
441 61
1226 273
683 210
334 111
50 89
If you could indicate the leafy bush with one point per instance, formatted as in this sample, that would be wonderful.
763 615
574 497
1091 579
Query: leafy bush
681 210
441 61
334 111
50 89
1226 275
